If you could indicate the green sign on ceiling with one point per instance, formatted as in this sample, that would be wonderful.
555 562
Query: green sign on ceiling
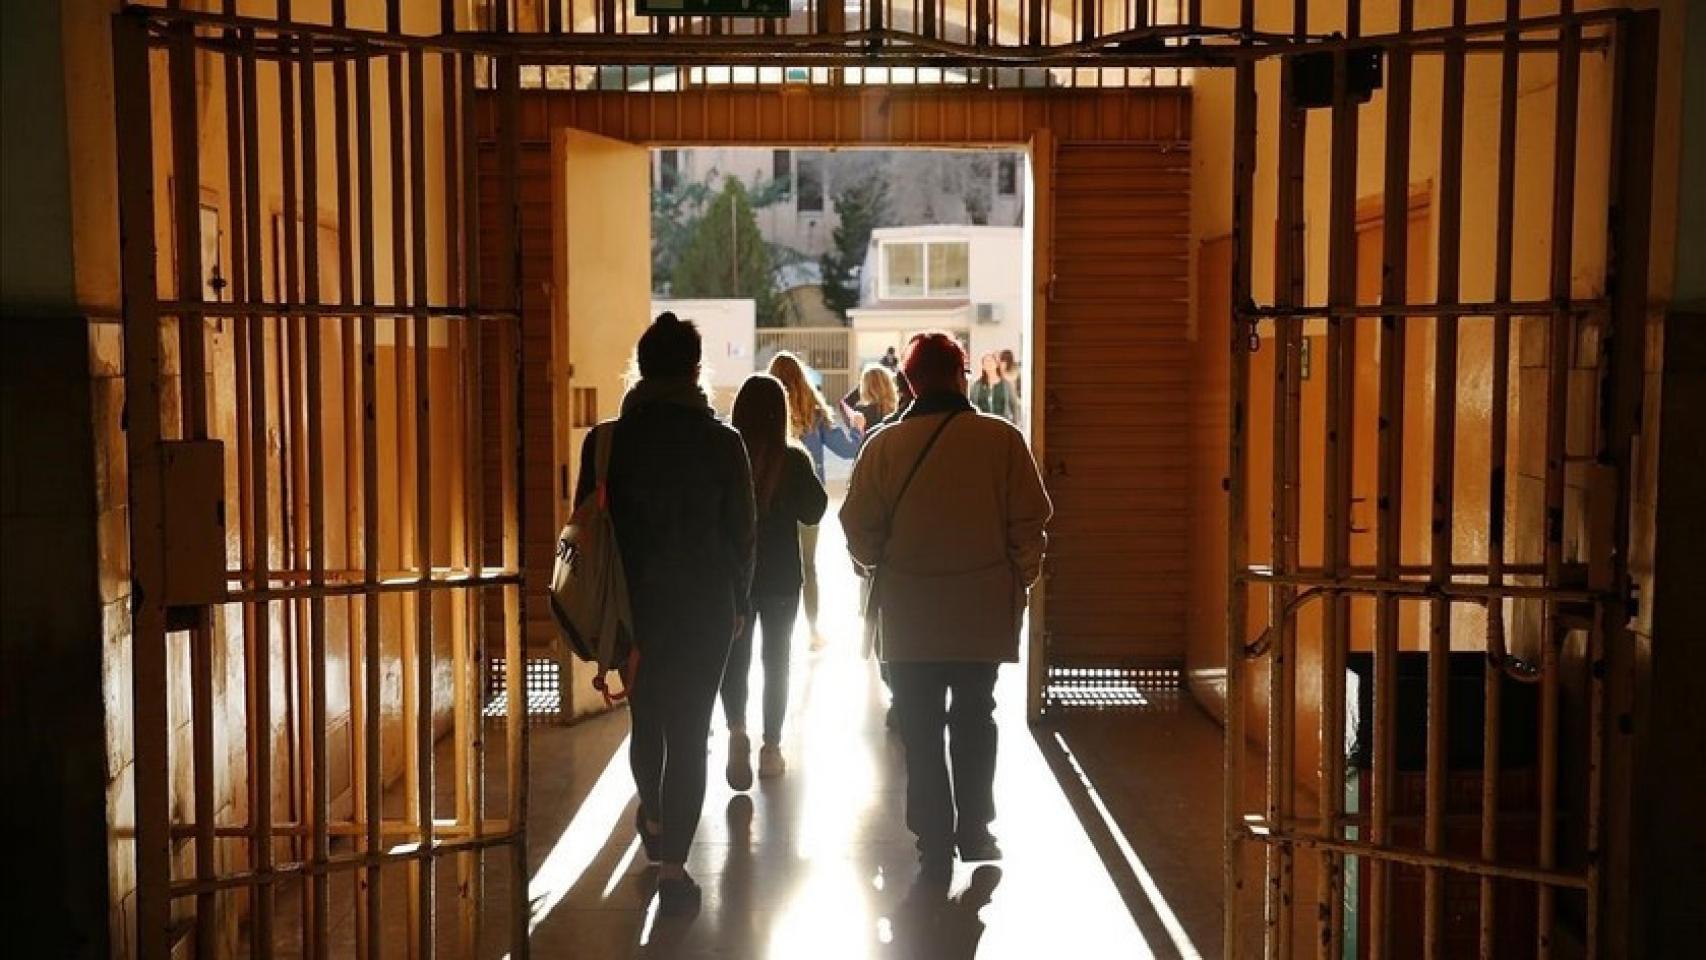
712 8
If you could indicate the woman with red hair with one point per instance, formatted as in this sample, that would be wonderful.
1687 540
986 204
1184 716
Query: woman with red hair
945 512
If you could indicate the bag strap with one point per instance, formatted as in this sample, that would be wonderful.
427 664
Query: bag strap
602 435
894 507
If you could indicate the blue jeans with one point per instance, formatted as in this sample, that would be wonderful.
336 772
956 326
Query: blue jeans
776 616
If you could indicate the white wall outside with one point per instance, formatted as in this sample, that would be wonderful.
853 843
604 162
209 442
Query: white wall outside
726 328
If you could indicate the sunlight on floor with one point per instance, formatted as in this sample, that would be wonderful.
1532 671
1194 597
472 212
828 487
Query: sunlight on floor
818 864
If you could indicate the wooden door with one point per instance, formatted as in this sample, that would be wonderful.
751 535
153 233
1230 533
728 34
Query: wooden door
1114 402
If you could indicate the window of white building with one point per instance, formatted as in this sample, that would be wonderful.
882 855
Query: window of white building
925 268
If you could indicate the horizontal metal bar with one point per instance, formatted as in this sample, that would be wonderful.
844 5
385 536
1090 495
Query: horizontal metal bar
1485 308
244 574
347 861
345 828
1457 592
326 311
309 591
1255 829
874 47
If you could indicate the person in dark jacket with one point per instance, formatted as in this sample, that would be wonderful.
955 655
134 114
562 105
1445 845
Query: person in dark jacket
788 494
681 504
811 422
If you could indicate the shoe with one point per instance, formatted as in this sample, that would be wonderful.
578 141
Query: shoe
979 848
648 839
678 896
770 761
740 762
819 641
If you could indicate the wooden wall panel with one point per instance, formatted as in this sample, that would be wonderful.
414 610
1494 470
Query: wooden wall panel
1116 404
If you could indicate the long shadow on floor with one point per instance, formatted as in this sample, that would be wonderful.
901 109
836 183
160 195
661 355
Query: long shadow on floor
1145 785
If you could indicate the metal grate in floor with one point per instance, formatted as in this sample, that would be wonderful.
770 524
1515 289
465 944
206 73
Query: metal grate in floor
544 690
1114 688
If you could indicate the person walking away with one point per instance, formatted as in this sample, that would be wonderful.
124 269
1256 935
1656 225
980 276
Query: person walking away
811 422
788 494
681 503
875 399
946 512
991 393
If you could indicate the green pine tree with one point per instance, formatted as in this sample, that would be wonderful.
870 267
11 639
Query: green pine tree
726 256
861 207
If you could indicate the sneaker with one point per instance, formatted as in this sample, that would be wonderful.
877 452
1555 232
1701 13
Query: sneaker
678 896
819 641
979 848
740 761
770 762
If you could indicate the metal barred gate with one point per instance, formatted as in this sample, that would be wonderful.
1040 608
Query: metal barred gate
323 368
323 443
1427 647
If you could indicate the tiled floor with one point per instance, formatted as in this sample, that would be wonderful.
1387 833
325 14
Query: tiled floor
1110 823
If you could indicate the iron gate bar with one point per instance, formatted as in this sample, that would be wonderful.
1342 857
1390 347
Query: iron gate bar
1421 589
1557 384
1335 517
1428 311
1403 855
1498 455
241 310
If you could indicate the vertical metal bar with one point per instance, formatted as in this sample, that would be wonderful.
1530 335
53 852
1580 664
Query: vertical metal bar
475 296
423 496
354 524
457 106
134 115
402 342
1287 406
260 642
186 173
372 628
1499 441
1448 270
319 888
1341 400
1611 664
1557 420
1243 214
509 260
1389 484
292 471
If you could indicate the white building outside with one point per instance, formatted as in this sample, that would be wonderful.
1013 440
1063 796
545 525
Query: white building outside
969 281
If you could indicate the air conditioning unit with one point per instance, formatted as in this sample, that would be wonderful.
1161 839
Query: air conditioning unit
989 313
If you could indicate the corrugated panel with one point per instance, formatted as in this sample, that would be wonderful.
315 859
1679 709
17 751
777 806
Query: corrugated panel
1118 384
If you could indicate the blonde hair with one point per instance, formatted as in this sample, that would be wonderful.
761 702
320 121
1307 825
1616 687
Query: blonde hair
876 385
805 404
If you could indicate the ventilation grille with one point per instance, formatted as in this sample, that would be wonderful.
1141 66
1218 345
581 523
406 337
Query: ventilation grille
1129 688
544 690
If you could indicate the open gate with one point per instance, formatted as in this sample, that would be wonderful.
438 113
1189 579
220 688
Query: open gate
326 409
1430 481
321 360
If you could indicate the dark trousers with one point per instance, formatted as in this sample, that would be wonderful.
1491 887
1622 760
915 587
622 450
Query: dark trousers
960 697
775 615
671 717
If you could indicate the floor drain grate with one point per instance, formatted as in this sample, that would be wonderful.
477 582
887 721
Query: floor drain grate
1113 688
544 690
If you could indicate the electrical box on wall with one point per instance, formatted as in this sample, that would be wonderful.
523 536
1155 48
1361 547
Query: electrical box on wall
193 475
